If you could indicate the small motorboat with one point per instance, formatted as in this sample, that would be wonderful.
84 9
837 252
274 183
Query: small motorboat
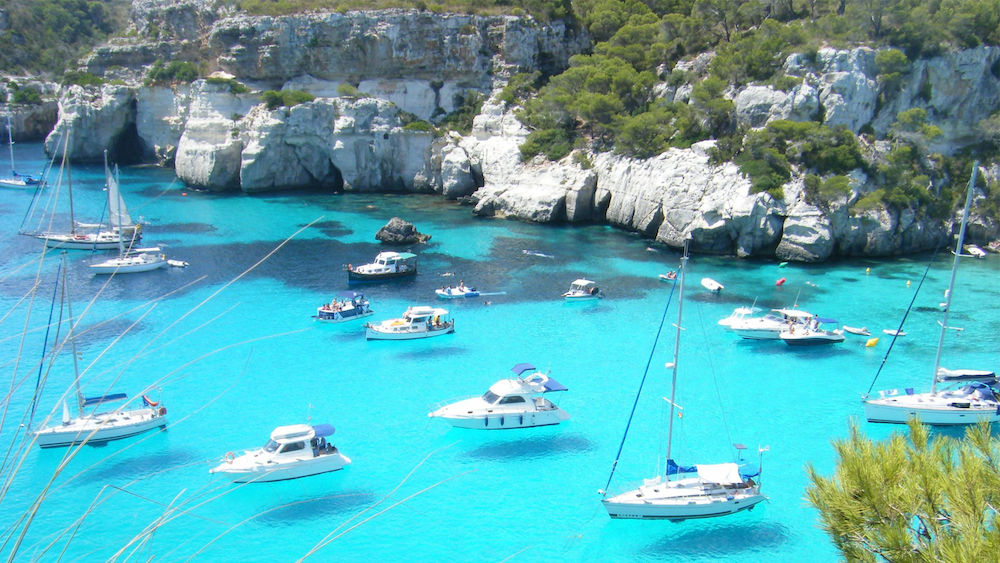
416 322
581 290
509 403
975 251
458 292
351 305
893 332
994 246
863 331
739 314
294 451
669 276
387 266
712 285
177 263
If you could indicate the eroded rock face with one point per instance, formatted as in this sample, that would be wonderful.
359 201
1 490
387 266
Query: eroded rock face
95 120
398 231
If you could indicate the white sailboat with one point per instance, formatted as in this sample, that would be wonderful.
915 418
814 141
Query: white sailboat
97 239
973 395
688 492
23 181
129 260
96 427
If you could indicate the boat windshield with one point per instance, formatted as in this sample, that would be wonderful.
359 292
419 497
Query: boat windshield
271 446
490 397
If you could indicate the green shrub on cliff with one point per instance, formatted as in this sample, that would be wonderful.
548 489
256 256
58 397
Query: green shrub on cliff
235 86
27 96
275 99
80 78
176 71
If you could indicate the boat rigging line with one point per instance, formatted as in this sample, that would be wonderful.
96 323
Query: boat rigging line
900 328
663 319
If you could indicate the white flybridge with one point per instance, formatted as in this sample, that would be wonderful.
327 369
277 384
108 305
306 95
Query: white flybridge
688 492
509 403
129 260
973 395
294 451
103 426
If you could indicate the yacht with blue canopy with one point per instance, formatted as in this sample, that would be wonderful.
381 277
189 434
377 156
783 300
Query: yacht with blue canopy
510 403
346 306
292 452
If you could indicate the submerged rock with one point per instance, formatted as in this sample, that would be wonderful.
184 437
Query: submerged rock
398 231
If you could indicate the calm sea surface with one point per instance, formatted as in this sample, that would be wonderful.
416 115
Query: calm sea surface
235 353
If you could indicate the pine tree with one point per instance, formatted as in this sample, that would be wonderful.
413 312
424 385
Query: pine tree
918 500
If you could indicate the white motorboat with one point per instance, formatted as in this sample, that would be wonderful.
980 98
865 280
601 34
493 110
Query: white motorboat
771 325
458 292
975 401
387 266
22 181
712 285
739 314
975 251
697 491
416 322
97 427
863 331
352 305
294 451
896 332
581 290
669 276
509 403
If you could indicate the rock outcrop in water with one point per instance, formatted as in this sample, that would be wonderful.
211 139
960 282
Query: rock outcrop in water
398 231
400 66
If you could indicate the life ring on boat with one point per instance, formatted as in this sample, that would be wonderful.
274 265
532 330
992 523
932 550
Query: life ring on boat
230 457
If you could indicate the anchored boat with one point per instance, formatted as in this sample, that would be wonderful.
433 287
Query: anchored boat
387 266
294 451
416 322
509 403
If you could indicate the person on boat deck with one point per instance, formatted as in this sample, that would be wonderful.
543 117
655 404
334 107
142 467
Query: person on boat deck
461 285
322 446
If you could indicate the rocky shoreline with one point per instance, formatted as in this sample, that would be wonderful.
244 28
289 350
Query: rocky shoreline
219 140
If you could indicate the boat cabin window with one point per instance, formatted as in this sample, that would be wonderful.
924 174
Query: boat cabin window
271 446
511 399
293 447
490 397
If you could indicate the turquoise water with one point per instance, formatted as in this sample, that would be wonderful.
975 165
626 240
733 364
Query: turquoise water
234 361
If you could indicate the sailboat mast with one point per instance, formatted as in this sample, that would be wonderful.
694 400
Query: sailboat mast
72 338
69 182
10 142
677 347
954 270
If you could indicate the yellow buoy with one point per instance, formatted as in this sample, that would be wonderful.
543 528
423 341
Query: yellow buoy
868 271
871 343
907 283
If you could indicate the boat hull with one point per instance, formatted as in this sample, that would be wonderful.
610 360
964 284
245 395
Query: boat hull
692 508
306 468
92 431
18 183
811 339
507 421
444 294
72 243
935 413
355 276
373 334
340 316
127 267
757 333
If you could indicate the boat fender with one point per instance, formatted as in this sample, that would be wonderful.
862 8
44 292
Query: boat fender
593 291
487 420
521 421
871 342
163 411
501 420
780 282
230 457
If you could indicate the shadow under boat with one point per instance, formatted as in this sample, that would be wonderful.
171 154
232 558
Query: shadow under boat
718 542
534 447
